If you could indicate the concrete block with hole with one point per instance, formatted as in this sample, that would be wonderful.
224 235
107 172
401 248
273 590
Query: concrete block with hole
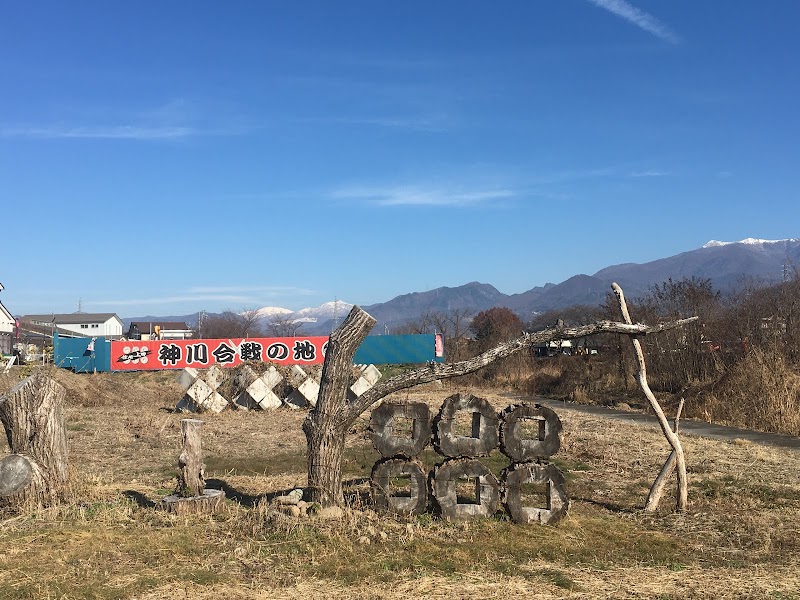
368 378
202 394
297 375
201 397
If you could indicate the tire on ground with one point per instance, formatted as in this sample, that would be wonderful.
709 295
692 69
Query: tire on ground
382 423
547 474
484 436
384 471
444 486
521 449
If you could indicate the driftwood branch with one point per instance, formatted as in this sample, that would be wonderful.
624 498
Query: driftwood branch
657 489
677 449
434 371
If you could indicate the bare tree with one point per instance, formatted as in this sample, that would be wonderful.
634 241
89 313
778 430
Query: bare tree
231 324
285 326
251 322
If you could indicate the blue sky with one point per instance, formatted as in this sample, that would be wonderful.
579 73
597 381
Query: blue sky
166 157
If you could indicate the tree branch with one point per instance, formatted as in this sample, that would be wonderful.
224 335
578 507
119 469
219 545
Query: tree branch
434 371
674 441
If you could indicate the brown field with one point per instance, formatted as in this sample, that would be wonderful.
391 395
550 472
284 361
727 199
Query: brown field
739 538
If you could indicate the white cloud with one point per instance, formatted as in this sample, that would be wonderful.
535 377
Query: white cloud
232 295
121 132
418 196
272 290
638 17
649 174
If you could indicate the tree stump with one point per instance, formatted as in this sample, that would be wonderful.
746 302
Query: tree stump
484 487
544 442
384 483
484 420
32 413
550 481
191 496
385 429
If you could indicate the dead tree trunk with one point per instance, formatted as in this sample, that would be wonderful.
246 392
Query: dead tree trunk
326 425
672 437
32 413
192 497
191 479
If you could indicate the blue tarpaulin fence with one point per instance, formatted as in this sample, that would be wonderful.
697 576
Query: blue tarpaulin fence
81 356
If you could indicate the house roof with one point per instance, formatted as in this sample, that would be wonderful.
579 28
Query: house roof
147 326
71 318
5 313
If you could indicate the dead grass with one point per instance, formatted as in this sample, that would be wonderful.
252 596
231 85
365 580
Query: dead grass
740 537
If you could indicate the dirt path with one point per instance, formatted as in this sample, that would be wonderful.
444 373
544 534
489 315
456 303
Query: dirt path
687 426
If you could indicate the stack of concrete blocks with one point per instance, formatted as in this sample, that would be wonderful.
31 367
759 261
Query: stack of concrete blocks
306 389
369 377
529 466
200 389
400 446
256 391
461 452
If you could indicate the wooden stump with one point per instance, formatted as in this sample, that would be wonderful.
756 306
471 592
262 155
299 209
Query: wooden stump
32 413
191 479
543 443
191 497
384 425
549 479
484 484
484 436
207 503
383 483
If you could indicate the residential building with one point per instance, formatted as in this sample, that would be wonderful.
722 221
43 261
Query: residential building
79 324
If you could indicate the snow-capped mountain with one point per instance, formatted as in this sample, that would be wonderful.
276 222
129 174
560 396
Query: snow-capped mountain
272 311
337 309
749 241
725 264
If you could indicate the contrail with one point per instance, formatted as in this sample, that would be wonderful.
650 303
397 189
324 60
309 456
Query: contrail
638 17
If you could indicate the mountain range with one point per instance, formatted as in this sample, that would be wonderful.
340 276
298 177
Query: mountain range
726 264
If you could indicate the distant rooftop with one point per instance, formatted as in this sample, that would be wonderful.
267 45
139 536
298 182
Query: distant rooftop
61 319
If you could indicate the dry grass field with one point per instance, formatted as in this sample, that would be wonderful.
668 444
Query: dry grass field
739 539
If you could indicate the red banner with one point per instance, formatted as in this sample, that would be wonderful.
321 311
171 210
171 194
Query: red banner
134 355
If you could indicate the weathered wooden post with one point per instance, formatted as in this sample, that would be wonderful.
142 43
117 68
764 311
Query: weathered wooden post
191 496
36 471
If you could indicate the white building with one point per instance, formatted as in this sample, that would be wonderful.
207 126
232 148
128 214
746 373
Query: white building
6 328
108 325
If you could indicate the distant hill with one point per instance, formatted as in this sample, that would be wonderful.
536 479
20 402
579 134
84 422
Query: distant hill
726 264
